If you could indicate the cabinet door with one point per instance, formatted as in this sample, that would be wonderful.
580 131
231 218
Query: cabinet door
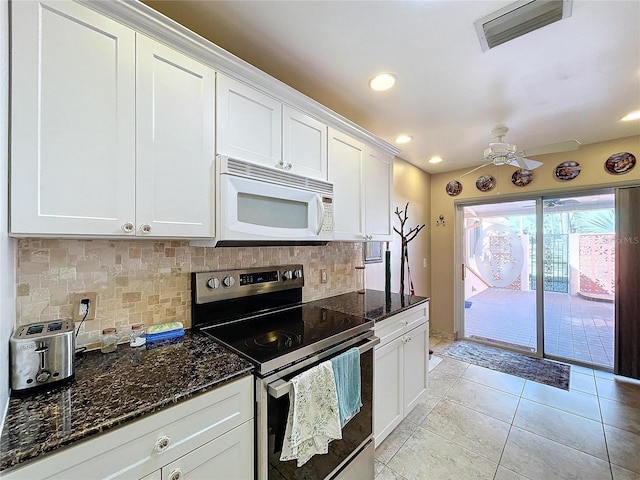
228 457
304 144
346 160
378 187
175 142
249 123
388 385
416 366
72 121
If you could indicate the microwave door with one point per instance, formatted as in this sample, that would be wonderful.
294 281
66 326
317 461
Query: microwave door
252 210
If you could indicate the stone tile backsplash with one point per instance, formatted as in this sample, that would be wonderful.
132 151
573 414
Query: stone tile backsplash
149 281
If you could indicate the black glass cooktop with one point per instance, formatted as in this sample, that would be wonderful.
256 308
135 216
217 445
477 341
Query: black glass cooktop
275 339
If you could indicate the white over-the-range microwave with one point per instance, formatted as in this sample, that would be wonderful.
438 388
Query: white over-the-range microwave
258 205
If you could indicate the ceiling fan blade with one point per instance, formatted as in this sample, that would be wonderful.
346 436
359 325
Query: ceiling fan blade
477 168
525 163
567 146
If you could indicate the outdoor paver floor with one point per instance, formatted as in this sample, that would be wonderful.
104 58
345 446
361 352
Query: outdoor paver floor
575 328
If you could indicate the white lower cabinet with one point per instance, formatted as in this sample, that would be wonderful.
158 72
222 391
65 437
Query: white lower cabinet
401 368
210 436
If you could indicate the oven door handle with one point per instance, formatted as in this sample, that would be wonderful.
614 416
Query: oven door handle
280 387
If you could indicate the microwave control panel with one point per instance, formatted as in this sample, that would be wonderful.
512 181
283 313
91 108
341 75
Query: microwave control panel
327 224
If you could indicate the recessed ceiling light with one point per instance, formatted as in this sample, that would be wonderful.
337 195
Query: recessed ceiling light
631 116
403 138
435 159
382 82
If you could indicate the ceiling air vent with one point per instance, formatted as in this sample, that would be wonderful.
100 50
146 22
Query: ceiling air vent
519 18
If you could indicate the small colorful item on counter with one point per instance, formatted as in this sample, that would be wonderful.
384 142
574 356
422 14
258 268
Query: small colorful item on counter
164 331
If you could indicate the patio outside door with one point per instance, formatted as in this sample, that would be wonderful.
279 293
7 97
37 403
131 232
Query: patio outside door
499 268
539 276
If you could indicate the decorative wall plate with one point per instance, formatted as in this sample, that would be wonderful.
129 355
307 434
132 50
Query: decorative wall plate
620 163
454 188
568 170
485 183
522 177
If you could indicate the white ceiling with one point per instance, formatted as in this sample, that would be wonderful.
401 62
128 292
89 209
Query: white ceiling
573 79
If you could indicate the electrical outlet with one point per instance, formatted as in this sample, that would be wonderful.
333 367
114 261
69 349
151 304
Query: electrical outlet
84 303
323 276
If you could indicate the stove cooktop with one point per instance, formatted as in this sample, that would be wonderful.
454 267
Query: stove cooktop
277 339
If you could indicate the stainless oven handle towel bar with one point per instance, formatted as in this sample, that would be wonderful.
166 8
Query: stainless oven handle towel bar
280 387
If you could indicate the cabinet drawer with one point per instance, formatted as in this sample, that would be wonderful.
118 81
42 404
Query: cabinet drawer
228 457
143 446
394 326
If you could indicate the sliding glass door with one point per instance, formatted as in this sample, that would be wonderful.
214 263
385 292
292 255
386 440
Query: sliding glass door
499 268
539 276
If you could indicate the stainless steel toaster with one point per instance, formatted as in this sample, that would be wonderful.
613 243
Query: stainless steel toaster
41 354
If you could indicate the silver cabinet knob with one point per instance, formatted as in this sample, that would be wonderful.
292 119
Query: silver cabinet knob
127 227
228 282
176 474
297 273
213 283
288 166
162 444
145 228
288 275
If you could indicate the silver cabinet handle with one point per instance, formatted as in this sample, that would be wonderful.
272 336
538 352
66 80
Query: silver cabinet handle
145 228
162 444
176 474
127 227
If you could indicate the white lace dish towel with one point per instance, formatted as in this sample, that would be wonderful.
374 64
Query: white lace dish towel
313 419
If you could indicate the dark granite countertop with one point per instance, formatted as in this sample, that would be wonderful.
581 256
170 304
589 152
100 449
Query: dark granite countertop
110 390
373 304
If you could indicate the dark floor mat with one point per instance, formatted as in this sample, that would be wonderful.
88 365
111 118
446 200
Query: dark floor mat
535 369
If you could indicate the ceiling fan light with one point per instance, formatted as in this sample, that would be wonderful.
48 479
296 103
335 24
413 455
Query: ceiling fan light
512 148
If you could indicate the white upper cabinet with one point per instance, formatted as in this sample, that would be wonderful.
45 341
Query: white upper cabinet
362 180
98 149
175 142
256 127
72 121
346 167
249 123
304 144
378 187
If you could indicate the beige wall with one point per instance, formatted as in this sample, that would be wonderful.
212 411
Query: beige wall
149 281
410 184
593 174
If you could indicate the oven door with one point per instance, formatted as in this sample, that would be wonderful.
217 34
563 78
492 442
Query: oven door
350 454
256 210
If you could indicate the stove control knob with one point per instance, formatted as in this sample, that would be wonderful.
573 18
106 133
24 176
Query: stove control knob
213 283
297 273
43 376
287 275
228 282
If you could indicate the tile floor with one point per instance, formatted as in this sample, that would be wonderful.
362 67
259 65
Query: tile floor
477 423
575 328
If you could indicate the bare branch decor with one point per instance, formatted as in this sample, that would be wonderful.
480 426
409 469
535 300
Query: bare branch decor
404 253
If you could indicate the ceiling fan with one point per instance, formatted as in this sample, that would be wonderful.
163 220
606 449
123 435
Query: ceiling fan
502 153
